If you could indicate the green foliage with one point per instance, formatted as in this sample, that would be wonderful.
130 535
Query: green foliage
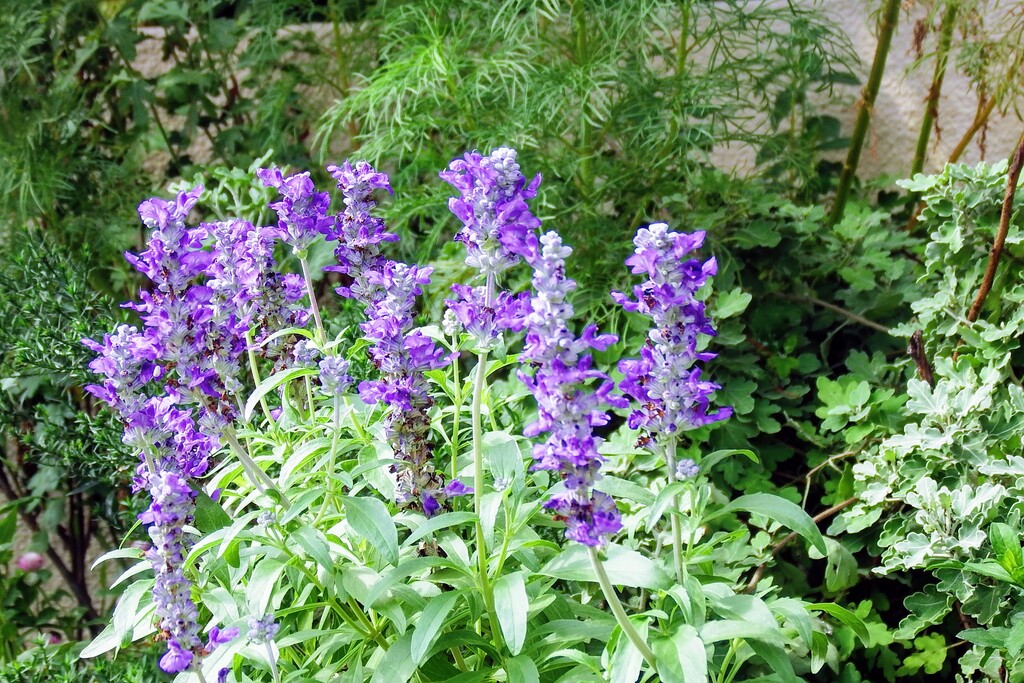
618 102
943 488
61 664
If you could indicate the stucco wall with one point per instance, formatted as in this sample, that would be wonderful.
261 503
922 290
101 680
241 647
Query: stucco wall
896 119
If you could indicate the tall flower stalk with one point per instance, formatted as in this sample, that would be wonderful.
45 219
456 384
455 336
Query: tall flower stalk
189 344
669 396
496 223
388 290
568 409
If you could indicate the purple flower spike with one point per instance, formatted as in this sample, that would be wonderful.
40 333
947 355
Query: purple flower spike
567 409
492 207
358 233
667 388
263 630
388 291
334 377
302 211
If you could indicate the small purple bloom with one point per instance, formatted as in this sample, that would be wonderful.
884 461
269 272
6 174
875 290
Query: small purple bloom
687 469
664 382
305 354
334 377
176 658
263 630
220 637
302 211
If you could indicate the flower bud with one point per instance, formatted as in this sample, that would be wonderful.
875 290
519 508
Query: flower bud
30 562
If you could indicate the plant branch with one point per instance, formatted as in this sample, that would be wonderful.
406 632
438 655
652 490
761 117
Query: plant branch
931 108
1012 176
616 607
838 309
789 538
886 30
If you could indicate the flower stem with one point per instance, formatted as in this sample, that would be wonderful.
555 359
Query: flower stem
886 29
273 662
332 459
457 417
620 614
479 386
260 479
677 532
255 370
313 305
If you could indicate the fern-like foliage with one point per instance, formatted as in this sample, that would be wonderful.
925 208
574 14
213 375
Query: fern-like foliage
617 102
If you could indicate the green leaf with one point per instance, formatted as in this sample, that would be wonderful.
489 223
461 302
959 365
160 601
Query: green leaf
848 618
430 622
626 661
396 666
776 659
993 636
731 303
106 641
712 459
521 669
625 567
682 657
261 584
1015 639
438 522
623 489
665 500
209 515
511 606
126 613
504 458
1006 546
271 383
8 525
778 509
841 568
315 544
728 629
119 554
371 519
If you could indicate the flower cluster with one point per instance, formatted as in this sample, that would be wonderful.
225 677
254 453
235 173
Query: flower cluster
263 630
250 294
664 381
388 291
172 382
302 211
492 207
359 234
567 408
497 224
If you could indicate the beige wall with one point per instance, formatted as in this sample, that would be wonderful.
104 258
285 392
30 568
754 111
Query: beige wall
892 139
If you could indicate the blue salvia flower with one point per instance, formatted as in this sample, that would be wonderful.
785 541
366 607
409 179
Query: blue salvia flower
496 222
388 291
568 407
664 382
